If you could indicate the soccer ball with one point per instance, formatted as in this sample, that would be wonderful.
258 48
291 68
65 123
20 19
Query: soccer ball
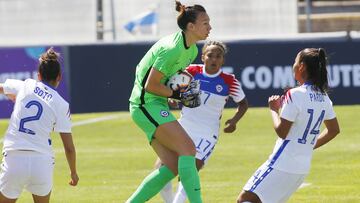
179 80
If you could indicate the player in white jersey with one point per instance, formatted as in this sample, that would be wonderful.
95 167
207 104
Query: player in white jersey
203 123
303 110
28 159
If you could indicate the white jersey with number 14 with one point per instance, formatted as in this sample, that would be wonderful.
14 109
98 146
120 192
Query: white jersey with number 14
307 109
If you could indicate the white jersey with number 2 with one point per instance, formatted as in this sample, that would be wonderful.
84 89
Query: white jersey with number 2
38 111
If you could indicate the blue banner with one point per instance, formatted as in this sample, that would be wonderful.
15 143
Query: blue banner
22 63
264 67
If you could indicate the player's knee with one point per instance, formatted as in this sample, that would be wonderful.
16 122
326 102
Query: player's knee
174 171
192 151
171 164
248 197
188 149
238 199
199 164
188 152
241 201
241 198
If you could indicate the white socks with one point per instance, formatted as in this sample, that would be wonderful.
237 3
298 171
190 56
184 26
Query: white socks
180 196
167 193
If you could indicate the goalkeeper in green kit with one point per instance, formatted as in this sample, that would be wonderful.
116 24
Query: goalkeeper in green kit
150 111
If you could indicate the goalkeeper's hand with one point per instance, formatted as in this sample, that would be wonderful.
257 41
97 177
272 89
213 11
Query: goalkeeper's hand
190 97
192 103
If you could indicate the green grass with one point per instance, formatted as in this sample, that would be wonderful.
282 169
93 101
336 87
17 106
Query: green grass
114 157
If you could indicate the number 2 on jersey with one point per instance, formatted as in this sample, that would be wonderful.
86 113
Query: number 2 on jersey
315 130
31 118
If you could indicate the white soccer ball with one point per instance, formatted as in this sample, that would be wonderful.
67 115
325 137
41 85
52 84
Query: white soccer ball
179 80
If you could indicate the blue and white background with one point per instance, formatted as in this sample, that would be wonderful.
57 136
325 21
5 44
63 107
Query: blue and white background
22 63
101 76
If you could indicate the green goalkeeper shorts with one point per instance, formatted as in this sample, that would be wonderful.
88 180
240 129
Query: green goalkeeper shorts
149 116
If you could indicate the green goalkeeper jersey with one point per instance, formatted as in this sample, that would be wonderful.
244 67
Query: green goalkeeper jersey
168 56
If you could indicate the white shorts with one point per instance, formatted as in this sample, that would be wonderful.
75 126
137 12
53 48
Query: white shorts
204 146
272 185
26 169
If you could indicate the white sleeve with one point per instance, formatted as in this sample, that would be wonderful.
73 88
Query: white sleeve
329 112
290 109
63 120
236 92
12 86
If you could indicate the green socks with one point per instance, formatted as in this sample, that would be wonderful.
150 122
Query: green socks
151 185
189 178
156 180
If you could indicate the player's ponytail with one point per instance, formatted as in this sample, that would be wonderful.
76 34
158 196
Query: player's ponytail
323 80
315 61
188 14
49 65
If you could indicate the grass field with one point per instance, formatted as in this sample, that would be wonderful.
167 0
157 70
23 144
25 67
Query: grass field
114 157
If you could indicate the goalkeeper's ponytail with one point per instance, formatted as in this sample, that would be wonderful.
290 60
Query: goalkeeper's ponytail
188 14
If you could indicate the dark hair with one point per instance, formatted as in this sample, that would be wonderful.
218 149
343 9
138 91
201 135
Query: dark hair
49 65
188 14
221 45
315 61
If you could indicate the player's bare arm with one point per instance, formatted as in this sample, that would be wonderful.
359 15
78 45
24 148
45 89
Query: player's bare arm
1 88
281 126
70 153
12 97
230 125
154 86
330 132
